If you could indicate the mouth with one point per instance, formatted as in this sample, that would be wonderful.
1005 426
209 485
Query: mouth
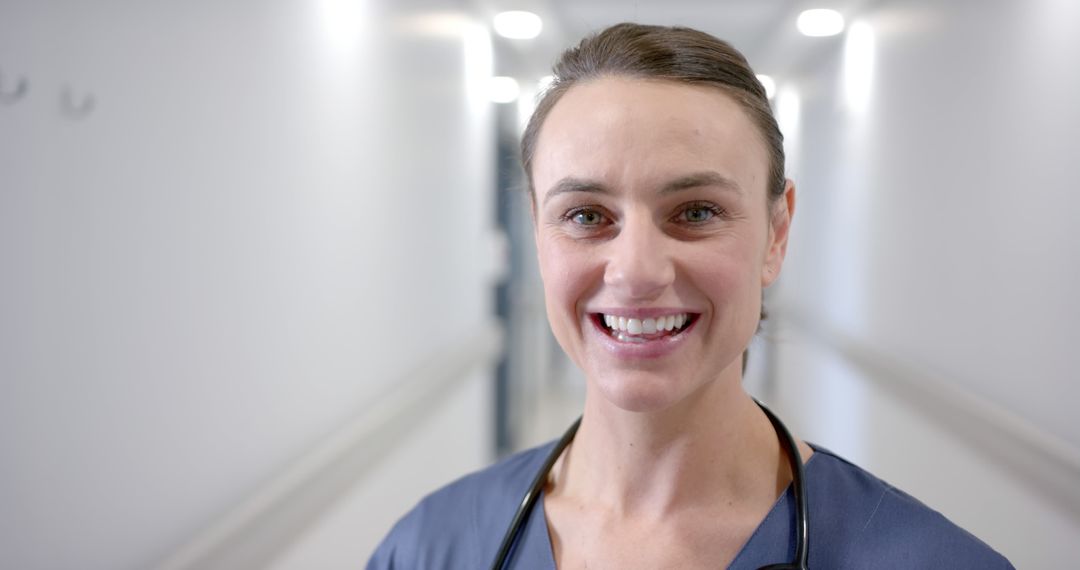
635 330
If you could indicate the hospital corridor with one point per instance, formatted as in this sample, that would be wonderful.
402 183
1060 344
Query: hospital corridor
269 270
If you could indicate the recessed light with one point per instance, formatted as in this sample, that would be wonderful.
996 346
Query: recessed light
503 89
518 25
820 22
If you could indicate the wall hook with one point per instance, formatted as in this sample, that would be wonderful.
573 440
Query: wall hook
75 109
10 97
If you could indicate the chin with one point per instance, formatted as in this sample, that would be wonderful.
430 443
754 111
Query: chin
639 391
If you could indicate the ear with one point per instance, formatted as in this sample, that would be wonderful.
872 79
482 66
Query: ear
781 212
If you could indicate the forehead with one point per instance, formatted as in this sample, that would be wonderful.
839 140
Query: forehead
632 133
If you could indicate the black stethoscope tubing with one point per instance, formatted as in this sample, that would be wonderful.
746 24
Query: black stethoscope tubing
802 526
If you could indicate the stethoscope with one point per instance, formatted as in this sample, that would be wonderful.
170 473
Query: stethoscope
801 525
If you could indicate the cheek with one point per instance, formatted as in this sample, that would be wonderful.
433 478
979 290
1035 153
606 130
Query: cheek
562 271
732 260
565 276
730 277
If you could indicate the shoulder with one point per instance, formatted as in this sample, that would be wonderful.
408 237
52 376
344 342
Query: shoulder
460 524
861 521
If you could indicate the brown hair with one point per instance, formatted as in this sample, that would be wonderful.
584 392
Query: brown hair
668 53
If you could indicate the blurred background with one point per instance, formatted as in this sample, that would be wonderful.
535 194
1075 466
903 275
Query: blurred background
266 270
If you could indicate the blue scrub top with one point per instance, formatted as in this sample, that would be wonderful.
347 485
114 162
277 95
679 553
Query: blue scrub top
856 521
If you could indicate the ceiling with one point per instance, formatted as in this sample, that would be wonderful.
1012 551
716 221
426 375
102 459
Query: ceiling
764 30
744 23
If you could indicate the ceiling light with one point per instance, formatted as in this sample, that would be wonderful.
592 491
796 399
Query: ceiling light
518 25
820 22
342 22
769 85
503 89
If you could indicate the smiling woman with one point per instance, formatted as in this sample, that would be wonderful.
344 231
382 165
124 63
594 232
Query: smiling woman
661 212
667 215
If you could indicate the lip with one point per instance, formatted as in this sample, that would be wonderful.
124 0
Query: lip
641 313
648 350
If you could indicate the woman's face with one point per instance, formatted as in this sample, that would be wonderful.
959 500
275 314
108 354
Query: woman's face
655 236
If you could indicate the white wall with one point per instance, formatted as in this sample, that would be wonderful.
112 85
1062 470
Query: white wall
936 217
935 161
273 211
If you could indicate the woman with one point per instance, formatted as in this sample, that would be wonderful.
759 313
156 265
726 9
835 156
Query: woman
661 211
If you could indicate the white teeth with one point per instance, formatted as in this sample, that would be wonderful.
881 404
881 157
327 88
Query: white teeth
631 326
648 326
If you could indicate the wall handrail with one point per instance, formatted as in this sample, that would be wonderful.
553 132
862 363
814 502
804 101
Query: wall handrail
254 532
1044 461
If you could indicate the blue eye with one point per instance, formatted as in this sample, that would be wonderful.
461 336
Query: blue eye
587 217
697 214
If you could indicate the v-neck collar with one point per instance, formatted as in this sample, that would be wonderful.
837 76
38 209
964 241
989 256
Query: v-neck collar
535 545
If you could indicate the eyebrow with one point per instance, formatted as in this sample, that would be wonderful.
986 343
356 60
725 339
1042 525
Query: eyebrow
694 180
701 179
570 184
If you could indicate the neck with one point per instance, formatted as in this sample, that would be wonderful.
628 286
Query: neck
716 447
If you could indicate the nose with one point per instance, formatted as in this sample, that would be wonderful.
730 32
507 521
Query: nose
639 265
